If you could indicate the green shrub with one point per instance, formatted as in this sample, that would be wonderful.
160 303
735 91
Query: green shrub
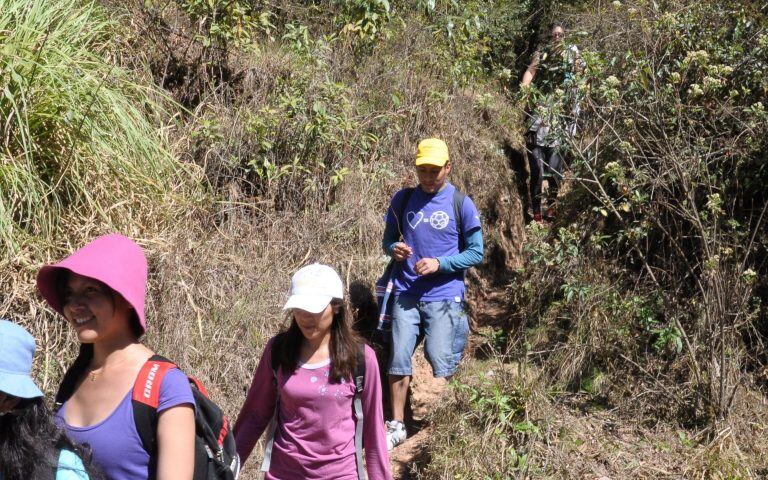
80 140
672 155
482 36
367 19
487 414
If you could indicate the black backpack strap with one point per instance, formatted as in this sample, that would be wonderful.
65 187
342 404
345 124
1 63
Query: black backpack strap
399 210
357 403
73 374
145 399
360 369
458 204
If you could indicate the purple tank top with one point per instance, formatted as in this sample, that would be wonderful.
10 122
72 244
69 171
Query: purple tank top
117 448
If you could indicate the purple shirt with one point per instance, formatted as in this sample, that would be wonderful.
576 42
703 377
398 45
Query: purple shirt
315 436
430 229
117 448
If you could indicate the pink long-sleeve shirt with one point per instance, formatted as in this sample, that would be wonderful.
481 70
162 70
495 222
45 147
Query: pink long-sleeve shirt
315 436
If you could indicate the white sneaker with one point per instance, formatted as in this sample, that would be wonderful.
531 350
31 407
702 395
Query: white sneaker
395 433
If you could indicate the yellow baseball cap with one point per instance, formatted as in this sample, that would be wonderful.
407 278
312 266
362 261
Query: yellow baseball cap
432 151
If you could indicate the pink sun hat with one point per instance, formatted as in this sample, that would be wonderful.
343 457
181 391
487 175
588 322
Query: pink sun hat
114 259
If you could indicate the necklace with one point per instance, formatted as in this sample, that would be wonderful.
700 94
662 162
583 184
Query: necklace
98 371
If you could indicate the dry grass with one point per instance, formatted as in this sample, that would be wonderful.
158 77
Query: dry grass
580 438
220 268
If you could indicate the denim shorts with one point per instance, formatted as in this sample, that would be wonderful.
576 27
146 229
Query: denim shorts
443 326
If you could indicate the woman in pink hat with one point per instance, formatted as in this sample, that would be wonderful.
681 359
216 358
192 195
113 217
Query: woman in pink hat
101 290
316 392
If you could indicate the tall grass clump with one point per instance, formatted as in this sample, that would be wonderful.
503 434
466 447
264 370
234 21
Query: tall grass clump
80 139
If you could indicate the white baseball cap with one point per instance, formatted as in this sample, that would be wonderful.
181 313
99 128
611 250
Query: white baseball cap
313 287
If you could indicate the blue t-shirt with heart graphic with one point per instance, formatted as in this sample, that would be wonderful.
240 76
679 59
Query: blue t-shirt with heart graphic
430 229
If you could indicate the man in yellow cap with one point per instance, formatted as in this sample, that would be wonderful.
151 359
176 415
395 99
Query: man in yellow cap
433 233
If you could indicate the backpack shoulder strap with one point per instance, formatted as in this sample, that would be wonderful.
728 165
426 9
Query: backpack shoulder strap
360 369
458 204
272 427
358 406
72 375
407 193
145 399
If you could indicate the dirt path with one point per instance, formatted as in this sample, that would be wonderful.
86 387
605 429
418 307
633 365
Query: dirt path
425 392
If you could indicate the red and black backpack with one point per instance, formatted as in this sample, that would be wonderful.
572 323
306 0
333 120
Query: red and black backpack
215 453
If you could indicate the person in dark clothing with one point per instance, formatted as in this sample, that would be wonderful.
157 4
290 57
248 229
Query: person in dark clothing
553 118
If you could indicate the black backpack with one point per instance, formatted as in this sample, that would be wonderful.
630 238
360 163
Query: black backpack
357 406
215 453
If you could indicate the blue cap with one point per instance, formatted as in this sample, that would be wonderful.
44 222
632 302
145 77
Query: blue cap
17 347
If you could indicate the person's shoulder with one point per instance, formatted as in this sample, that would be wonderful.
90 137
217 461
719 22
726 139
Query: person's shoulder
70 466
369 352
175 390
398 196
467 199
175 381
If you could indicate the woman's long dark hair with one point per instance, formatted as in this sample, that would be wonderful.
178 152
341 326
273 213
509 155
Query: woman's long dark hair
30 443
344 344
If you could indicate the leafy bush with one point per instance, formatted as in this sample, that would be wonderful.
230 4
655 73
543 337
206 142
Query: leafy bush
365 18
672 156
483 37
487 414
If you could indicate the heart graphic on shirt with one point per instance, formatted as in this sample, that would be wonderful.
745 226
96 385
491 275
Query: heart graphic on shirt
414 219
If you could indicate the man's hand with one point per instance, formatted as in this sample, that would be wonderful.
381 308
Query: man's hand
401 251
426 266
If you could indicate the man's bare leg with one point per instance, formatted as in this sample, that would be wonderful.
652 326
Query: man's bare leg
398 393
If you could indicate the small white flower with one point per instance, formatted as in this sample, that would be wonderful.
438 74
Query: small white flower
749 275
695 90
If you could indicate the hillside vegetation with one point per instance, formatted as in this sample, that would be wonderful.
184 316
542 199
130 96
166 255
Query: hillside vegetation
258 137
635 344
239 140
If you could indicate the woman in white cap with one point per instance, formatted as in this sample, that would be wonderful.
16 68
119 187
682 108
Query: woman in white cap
317 388
32 446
